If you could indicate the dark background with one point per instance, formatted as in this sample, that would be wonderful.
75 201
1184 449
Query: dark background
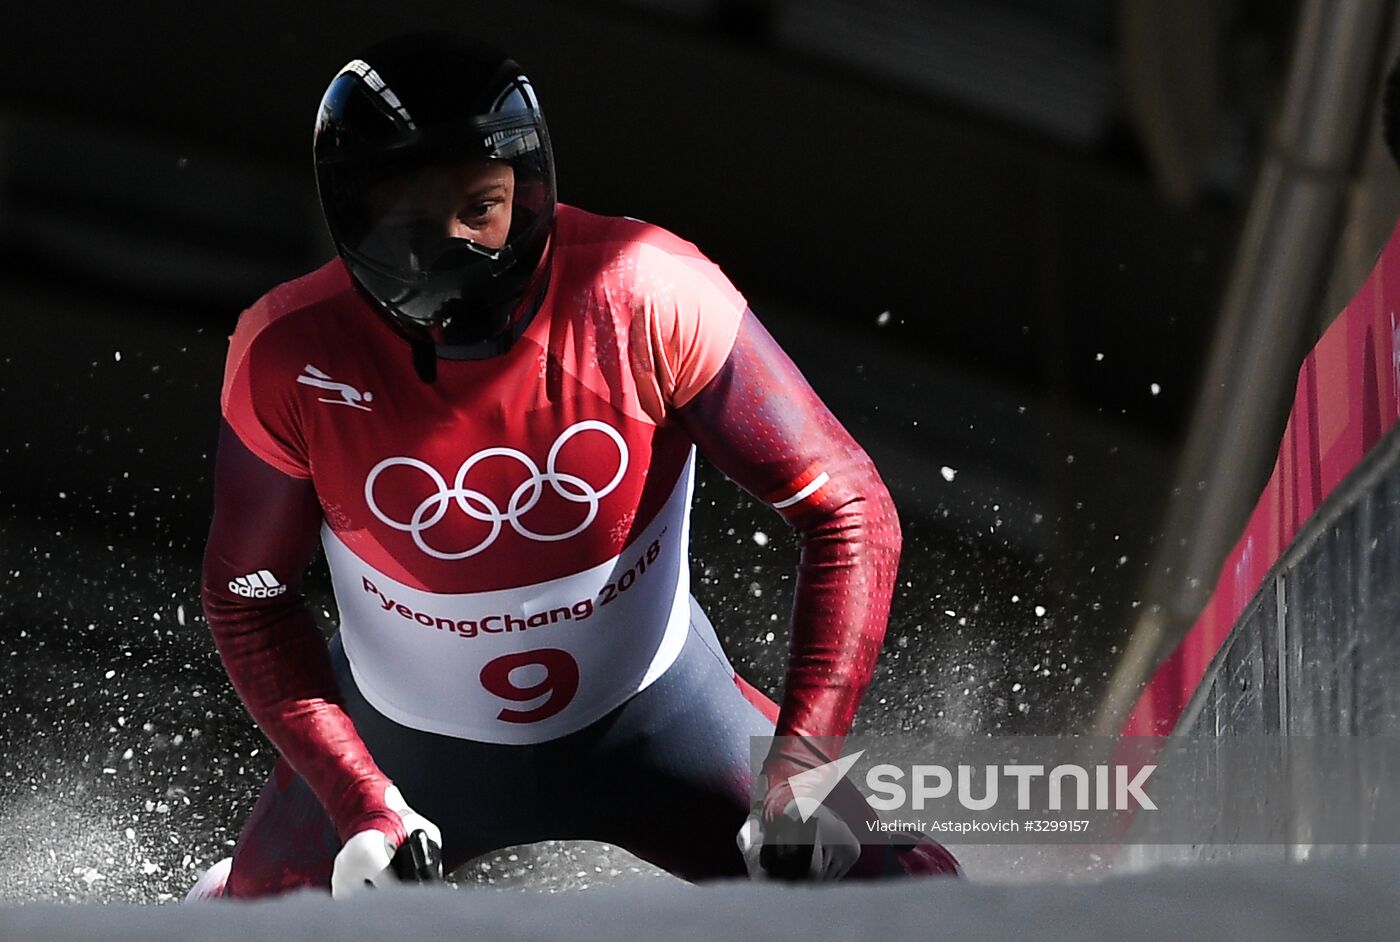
953 215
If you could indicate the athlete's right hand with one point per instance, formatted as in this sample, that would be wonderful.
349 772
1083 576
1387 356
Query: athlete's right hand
787 846
366 859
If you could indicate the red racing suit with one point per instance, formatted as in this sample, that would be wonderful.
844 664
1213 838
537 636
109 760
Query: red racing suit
509 543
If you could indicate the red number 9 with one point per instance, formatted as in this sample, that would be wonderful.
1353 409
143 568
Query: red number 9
560 682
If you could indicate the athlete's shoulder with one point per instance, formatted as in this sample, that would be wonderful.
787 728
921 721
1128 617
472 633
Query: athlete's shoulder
681 312
275 339
291 321
580 229
308 296
644 261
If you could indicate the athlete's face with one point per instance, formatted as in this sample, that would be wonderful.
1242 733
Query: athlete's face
461 201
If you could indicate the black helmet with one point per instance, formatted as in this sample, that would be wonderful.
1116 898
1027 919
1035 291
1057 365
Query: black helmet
395 124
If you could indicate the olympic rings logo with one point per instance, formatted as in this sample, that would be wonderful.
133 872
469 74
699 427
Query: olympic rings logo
479 506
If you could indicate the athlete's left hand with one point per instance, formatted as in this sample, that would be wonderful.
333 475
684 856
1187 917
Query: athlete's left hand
780 845
366 858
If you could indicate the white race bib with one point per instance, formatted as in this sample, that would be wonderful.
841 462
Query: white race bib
526 664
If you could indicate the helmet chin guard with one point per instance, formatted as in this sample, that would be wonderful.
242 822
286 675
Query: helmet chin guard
436 177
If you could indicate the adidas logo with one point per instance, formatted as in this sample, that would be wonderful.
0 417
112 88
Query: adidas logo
257 585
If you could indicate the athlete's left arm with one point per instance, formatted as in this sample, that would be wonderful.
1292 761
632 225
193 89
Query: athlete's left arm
761 424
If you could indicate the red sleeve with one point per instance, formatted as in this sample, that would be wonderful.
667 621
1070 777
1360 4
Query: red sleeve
761 424
263 535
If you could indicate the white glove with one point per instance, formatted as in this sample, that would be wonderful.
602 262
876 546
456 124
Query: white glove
364 861
834 847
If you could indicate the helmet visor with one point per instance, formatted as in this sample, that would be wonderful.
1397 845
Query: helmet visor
413 218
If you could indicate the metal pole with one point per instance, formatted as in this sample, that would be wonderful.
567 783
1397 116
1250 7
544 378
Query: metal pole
1266 325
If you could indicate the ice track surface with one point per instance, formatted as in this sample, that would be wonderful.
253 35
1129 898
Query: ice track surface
1338 902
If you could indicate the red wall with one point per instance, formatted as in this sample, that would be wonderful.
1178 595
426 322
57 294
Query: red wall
1346 399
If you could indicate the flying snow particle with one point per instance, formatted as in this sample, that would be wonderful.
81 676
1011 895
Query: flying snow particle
117 356
110 674
760 538
768 637
1156 388
180 615
948 473
1015 687
1040 611
1098 358
883 319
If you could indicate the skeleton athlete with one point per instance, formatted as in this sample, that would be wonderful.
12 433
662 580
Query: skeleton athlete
504 507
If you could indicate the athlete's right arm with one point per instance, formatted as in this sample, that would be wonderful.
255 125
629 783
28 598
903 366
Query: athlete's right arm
267 521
